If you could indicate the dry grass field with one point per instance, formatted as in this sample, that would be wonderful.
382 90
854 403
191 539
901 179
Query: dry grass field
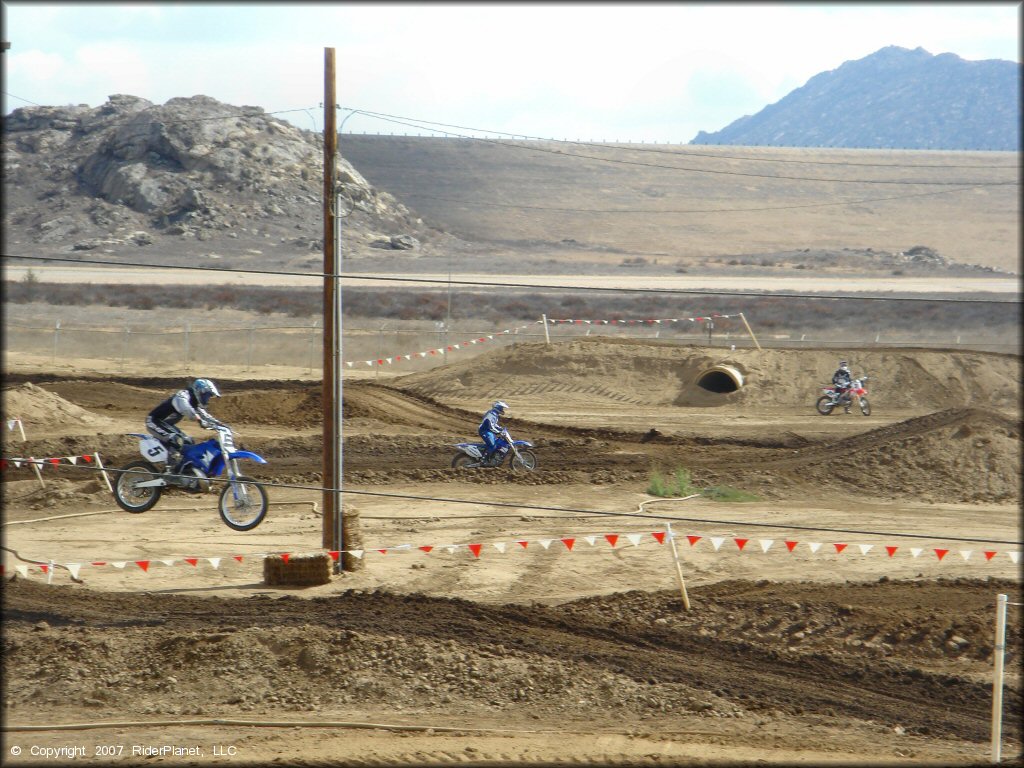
568 204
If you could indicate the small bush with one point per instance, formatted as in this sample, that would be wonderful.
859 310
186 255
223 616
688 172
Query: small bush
680 484
728 493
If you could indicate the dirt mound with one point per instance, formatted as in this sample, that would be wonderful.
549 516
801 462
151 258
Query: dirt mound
653 373
36 406
862 650
961 455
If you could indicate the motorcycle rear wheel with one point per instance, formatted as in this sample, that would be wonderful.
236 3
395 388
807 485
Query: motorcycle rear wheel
865 406
463 461
523 460
242 503
825 405
132 499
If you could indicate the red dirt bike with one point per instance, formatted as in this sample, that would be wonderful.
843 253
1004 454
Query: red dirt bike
835 397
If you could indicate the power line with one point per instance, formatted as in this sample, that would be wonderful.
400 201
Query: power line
676 153
536 286
251 112
705 170
595 512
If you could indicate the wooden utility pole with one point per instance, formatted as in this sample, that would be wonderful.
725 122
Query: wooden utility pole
331 483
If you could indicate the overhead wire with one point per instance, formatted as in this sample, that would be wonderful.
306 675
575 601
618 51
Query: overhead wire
620 161
535 286
589 512
683 152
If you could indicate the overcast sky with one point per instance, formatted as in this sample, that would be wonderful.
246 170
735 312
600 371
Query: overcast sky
656 72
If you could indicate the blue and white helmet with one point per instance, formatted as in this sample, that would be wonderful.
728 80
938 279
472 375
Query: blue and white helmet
204 389
500 406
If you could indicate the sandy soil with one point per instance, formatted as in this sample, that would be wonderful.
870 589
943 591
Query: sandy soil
510 618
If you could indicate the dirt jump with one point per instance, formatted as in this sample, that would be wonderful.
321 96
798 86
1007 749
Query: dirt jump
811 589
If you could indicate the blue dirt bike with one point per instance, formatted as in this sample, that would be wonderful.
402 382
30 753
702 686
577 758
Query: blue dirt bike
242 502
471 455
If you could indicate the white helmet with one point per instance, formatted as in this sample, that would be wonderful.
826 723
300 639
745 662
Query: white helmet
844 366
204 389
500 406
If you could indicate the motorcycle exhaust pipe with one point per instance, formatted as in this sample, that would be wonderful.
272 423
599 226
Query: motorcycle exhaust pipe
720 379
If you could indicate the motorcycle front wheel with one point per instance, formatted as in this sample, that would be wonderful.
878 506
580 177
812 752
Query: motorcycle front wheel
128 496
865 406
523 460
242 503
463 461
825 405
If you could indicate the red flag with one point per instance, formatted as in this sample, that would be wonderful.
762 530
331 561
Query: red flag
54 462
741 543
989 554
383 551
693 539
839 547
335 554
193 561
44 568
238 558
941 553
659 535
380 362
475 549
143 564
426 547
98 562
87 458
791 544
568 543
285 557
523 544
891 550
611 538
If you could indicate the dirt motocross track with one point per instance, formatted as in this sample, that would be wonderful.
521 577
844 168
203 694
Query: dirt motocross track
563 638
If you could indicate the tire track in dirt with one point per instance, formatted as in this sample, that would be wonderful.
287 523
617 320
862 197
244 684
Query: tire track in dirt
615 635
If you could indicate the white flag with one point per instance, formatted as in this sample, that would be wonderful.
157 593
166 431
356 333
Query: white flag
716 542
766 544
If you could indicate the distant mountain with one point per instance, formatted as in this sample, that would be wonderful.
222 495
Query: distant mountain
895 98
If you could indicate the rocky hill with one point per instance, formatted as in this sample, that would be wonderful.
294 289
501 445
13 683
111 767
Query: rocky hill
895 98
221 182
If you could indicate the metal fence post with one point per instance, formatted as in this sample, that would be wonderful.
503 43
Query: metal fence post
997 678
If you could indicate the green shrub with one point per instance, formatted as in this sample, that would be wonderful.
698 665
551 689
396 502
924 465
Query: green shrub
728 493
680 484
